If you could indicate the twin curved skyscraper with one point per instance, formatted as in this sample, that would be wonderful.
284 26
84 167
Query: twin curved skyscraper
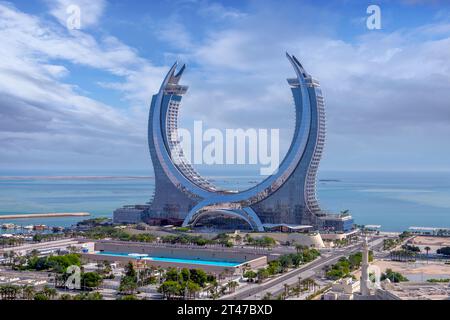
287 197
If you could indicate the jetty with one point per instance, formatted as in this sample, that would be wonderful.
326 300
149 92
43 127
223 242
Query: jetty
44 215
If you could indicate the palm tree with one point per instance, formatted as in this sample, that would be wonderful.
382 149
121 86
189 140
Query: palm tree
214 295
313 284
262 274
308 283
213 289
232 285
153 269
5 255
160 273
427 249
223 289
65 296
245 268
286 289
296 290
107 267
28 292
51 293
10 256
15 258
99 267
127 285
3 291
299 247
20 261
9 292
192 289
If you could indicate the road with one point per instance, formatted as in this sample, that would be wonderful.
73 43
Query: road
276 285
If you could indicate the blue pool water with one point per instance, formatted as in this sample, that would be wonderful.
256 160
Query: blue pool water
175 260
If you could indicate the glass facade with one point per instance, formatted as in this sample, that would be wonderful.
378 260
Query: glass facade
288 196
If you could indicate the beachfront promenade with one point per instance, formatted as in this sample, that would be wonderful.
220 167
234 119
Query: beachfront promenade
44 215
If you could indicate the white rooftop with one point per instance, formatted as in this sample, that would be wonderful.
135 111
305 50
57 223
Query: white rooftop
372 226
427 228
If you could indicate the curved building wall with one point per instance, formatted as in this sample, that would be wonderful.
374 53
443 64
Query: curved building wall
288 196
311 178
168 200
295 201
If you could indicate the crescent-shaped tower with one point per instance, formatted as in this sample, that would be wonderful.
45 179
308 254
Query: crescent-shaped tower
287 197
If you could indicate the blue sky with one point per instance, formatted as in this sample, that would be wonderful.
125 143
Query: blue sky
77 100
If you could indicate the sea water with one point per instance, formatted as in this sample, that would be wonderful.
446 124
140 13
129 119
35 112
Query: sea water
394 200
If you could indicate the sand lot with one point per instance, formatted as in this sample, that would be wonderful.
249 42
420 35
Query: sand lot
416 271
433 242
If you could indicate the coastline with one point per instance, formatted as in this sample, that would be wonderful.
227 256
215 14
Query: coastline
395 201
44 215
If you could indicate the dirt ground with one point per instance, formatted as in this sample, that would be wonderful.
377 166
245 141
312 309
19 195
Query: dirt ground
414 267
432 241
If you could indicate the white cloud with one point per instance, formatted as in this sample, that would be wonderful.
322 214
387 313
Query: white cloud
40 114
219 11
383 91
386 93
174 32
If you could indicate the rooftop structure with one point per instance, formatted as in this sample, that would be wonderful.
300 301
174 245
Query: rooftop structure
343 289
372 227
415 291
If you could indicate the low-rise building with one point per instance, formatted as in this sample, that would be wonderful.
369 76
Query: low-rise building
130 214
343 289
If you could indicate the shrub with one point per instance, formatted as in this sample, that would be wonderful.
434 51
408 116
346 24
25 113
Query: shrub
445 251
393 276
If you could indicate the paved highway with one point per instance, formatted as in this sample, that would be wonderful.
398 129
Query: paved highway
277 285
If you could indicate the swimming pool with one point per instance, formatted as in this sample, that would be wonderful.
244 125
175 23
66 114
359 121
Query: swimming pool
174 260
